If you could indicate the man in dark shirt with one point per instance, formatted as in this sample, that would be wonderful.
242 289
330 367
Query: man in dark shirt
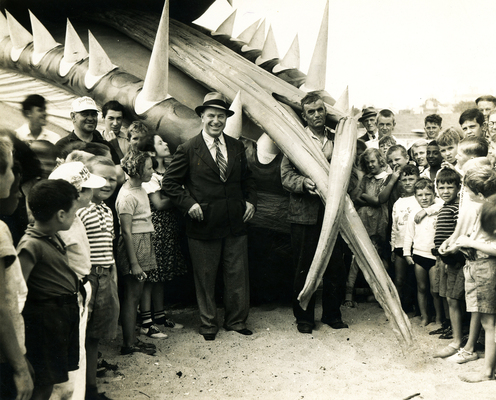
84 116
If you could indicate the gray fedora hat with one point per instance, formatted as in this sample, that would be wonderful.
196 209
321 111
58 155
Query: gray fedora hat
367 112
214 100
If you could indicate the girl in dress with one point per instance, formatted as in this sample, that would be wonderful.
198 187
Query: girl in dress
170 259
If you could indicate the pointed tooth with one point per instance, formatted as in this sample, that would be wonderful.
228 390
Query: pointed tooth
230 2
156 82
258 39
19 36
291 59
248 33
317 71
99 63
343 103
269 51
43 41
226 28
265 145
74 50
234 124
4 29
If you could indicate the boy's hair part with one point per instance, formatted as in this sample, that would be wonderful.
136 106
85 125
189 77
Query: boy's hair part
397 147
409 169
433 119
99 160
371 151
474 146
481 180
449 137
112 105
33 100
472 114
449 176
488 215
49 196
387 140
424 183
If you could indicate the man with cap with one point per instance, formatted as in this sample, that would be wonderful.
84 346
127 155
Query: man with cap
368 120
209 180
84 116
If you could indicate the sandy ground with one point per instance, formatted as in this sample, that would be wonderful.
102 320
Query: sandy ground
276 362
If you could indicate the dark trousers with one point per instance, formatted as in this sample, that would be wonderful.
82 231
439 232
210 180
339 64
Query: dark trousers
304 239
206 256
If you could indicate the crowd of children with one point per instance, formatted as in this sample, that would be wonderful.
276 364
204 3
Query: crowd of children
430 212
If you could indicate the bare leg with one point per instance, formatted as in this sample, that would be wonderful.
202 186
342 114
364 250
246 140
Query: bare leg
455 312
473 335
422 287
132 295
490 353
146 297
438 305
158 296
400 269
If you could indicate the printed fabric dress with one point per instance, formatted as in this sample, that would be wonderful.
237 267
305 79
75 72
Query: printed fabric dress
170 259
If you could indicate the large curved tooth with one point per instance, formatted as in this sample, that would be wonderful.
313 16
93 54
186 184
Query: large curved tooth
291 59
74 50
226 28
258 39
19 35
155 86
316 77
248 33
343 103
234 124
266 148
43 41
4 29
99 63
269 51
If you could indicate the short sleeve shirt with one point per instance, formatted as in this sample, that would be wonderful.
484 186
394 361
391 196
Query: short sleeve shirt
134 201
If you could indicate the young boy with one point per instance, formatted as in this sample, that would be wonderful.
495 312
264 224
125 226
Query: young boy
396 157
104 304
472 121
403 207
51 313
480 183
432 126
448 186
420 236
448 145
385 143
418 151
15 378
434 160
470 147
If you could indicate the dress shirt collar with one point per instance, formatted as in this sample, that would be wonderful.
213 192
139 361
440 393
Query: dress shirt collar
209 140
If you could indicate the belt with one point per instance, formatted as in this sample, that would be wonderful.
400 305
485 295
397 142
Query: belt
99 269
59 300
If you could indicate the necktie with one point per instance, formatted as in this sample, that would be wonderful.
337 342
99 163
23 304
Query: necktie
220 160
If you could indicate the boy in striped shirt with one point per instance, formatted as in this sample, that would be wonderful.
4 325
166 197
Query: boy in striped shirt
104 304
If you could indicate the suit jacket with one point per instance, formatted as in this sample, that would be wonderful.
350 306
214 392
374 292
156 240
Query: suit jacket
193 177
365 137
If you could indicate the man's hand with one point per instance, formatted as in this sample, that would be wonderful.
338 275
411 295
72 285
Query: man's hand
420 216
249 212
195 212
310 186
24 382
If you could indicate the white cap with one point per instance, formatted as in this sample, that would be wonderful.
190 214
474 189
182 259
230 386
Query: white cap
83 103
77 174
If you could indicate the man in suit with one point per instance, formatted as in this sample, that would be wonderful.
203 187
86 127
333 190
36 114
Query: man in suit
209 180
368 120
306 215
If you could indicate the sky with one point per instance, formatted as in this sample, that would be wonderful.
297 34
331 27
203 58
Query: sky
390 53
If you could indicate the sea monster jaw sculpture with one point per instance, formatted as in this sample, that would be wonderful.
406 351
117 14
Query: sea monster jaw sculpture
220 69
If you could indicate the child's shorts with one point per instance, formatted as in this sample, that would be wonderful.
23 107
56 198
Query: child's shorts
145 253
398 251
480 283
52 339
438 284
456 282
424 262
104 303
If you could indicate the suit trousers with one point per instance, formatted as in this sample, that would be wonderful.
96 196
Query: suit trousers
304 239
232 253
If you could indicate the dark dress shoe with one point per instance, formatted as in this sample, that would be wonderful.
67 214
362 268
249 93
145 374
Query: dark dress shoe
244 331
337 324
304 328
208 336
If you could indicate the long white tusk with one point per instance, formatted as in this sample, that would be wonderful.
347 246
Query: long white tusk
343 103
